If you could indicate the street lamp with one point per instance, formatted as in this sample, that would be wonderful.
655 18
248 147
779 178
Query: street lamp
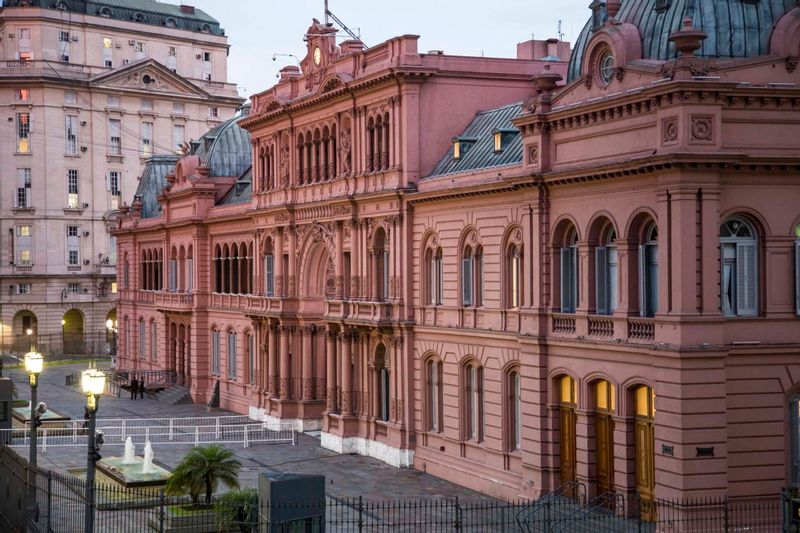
33 365
29 333
93 384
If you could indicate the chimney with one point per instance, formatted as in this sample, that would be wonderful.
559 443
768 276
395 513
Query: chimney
290 72
351 46
552 48
189 10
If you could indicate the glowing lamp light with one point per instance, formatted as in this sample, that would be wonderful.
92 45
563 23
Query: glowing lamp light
34 362
29 331
109 324
93 382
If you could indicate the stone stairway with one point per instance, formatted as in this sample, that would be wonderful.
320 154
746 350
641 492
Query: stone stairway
174 395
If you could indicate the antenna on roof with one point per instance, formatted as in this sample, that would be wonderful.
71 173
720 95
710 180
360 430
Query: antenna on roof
560 33
329 15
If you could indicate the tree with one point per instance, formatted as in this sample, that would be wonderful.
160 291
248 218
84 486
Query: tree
237 508
202 469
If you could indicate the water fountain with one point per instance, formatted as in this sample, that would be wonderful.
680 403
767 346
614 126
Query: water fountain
147 465
130 453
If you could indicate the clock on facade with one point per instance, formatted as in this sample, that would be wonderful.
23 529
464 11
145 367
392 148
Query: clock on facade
317 55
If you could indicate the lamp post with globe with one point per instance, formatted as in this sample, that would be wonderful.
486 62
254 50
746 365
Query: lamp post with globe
34 362
93 383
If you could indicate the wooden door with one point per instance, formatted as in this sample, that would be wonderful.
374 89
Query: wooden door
567 448
645 452
604 452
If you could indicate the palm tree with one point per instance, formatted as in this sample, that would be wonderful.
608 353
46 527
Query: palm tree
203 468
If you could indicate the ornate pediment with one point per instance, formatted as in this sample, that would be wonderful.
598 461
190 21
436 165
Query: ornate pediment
148 75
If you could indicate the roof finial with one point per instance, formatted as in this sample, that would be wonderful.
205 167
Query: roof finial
688 40
612 7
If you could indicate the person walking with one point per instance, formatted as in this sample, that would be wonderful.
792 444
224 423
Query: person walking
141 389
134 388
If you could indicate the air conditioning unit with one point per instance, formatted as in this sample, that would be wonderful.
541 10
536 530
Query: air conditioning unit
117 45
126 61
74 38
83 122
85 233
131 42
85 291
86 262
12 288
198 56
85 205
84 149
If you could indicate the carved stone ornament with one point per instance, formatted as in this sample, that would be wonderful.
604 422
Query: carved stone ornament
284 161
344 151
533 154
669 130
702 128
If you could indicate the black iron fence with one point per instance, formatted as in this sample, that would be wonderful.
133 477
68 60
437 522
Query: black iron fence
56 346
61 504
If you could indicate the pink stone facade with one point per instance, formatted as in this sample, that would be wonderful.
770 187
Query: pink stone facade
618 307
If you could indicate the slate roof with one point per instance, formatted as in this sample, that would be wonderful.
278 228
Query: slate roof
241 192
153 181
480 134
735 28
155 13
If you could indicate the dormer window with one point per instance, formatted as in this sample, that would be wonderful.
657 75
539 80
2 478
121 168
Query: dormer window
138 17
171 23
599 14
502 138
461 146
607 67
105 12
662 5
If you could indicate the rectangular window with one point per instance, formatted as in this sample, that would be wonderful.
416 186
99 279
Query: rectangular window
72 189
207 65
23 197
114 137
71 135
22 95
113 185
232 355
108 52
23 288
153 341
215 353
146 104
113 287
25 33
178 107
648 279
23 133
251 360
113 101
178 136
466 281
63 46
269 275
63 36
74 288
24 245
128 338
147 139
142 346
189 275
173 275
73 246
139 50
213 111
569 279
172 59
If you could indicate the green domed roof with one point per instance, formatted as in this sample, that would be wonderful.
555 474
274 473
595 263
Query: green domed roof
735 28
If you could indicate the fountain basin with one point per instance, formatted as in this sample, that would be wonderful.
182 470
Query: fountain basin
131 475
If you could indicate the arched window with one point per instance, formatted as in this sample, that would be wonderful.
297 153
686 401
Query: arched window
797 269
383 383
190 269
231 355
269 270
215 363
217 259
433 395
467 277
371 145
435 276
251 359
513 411
234 268
153 340
513 289
173 271
606 273
569 272
126 272
739 284
225 260
381 266
794 439
127 343
648 271
472 401
568 401
142 345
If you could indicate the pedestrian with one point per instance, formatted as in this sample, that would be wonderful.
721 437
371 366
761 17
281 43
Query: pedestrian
141 388
134 388
85 417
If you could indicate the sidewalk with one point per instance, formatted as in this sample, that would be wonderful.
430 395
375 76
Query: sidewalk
347 475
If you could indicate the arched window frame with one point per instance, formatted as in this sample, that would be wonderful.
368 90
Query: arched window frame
513 276
269 268
434 395
472 401
570 271
606 272
797 270
383 384
512 409
215 355
739 271
231 339
648 271
153 340
250 346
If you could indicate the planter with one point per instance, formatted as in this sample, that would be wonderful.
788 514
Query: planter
181 520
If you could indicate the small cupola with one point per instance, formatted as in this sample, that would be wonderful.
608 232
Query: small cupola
462 145
599 14
503 137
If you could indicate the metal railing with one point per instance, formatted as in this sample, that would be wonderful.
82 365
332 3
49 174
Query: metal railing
61 346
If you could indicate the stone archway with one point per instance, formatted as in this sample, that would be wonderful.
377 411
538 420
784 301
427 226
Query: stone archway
111 332
72 332
25 328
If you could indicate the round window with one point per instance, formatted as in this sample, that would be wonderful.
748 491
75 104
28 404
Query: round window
607 67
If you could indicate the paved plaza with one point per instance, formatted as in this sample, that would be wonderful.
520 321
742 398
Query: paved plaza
347 475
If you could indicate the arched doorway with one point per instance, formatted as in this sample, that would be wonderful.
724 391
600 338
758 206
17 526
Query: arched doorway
605 404
568 399
111 332
26 330
645 413
72 332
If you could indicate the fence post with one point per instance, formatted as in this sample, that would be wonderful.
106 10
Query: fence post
197 435
725 514
161 511
123 431
217 428
457 523
170 429
44 440
49 501
147 433
360 514
245 436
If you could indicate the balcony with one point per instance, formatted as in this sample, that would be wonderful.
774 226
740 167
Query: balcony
641 329
563 323
362 310
178 301
601 326
247 302
43 68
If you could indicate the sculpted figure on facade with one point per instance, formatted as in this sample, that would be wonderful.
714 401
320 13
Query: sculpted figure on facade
284 161
344 149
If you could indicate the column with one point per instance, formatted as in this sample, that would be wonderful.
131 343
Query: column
339 262
258 266
308 377
355 260
330 370
292 292
347 375
284 362
273 360
278 253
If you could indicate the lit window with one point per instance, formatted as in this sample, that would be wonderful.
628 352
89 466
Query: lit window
456 150
22 95
23 133
113 287
498 141
72 190
107 42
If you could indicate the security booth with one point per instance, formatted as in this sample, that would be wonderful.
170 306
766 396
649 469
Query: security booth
290 503
5 409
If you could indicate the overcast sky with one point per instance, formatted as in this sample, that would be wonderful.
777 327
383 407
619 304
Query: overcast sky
257 29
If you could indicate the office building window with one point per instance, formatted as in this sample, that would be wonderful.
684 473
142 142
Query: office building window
215 353
113 101
23 288
113 184
22 95
108 52
24 245
72 189
147 139
178 136
23 133
114 137
71 135
73 246
22 198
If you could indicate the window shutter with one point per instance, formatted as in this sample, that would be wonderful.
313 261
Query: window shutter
269 268
566 280
613 275
797 276
189 275
746 279
642 282
466 281
601 279
575 278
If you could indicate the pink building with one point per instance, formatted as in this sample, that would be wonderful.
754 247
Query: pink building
511 284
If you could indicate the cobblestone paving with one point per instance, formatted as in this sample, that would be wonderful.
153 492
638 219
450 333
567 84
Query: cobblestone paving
347 475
